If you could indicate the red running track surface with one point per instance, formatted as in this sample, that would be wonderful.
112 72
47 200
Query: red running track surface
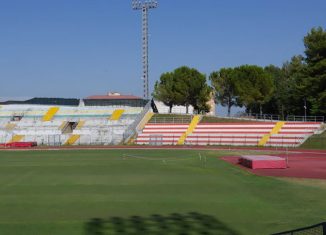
300 165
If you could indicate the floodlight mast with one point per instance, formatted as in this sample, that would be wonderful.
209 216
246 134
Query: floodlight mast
144 7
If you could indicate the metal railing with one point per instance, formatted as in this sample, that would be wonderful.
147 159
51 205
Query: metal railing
305 118
274 117
211 140
317 229
175 120
132 128
264 117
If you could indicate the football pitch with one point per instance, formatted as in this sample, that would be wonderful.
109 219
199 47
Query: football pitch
62 192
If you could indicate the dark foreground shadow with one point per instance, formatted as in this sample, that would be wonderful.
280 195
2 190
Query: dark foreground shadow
174 224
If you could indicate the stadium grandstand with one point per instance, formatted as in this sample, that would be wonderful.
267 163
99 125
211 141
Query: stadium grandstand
193 130
95 120
114 119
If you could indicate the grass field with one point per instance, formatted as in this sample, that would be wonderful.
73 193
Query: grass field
315 142
57 192
213 119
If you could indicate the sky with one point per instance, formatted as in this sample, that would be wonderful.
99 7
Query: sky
77 48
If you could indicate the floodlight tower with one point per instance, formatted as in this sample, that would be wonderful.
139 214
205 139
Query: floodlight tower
144 6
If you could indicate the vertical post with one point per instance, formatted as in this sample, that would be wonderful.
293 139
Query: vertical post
305 109
245 139
324 228
287 158
145 50
197 141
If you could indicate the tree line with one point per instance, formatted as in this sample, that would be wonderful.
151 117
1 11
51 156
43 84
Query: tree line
295 88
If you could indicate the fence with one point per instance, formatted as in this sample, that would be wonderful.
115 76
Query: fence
305 118
273 117
317 229
157 140
243 116
262 117
242 141
167 119
108 136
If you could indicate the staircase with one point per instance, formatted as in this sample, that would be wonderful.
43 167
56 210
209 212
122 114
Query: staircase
190 129
10 126
16 138
50 114
80 124
274 131
116 115
72 139
63 125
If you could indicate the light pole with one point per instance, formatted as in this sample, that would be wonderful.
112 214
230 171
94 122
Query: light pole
144 6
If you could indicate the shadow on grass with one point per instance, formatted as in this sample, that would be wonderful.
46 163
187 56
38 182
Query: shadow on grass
174 224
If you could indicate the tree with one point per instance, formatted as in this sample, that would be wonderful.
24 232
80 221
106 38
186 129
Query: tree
287 96
315 50
202 100
294 75
253 86
192 86
184 86
277 103
164 90
223 83
301 83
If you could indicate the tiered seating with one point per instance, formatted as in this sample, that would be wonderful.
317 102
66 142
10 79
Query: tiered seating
71 125
157 134
290 134
164 129
293 133
239 134
283 134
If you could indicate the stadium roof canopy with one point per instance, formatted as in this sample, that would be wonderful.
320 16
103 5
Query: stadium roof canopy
5 99
115 99
111 99
43 101
113 96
